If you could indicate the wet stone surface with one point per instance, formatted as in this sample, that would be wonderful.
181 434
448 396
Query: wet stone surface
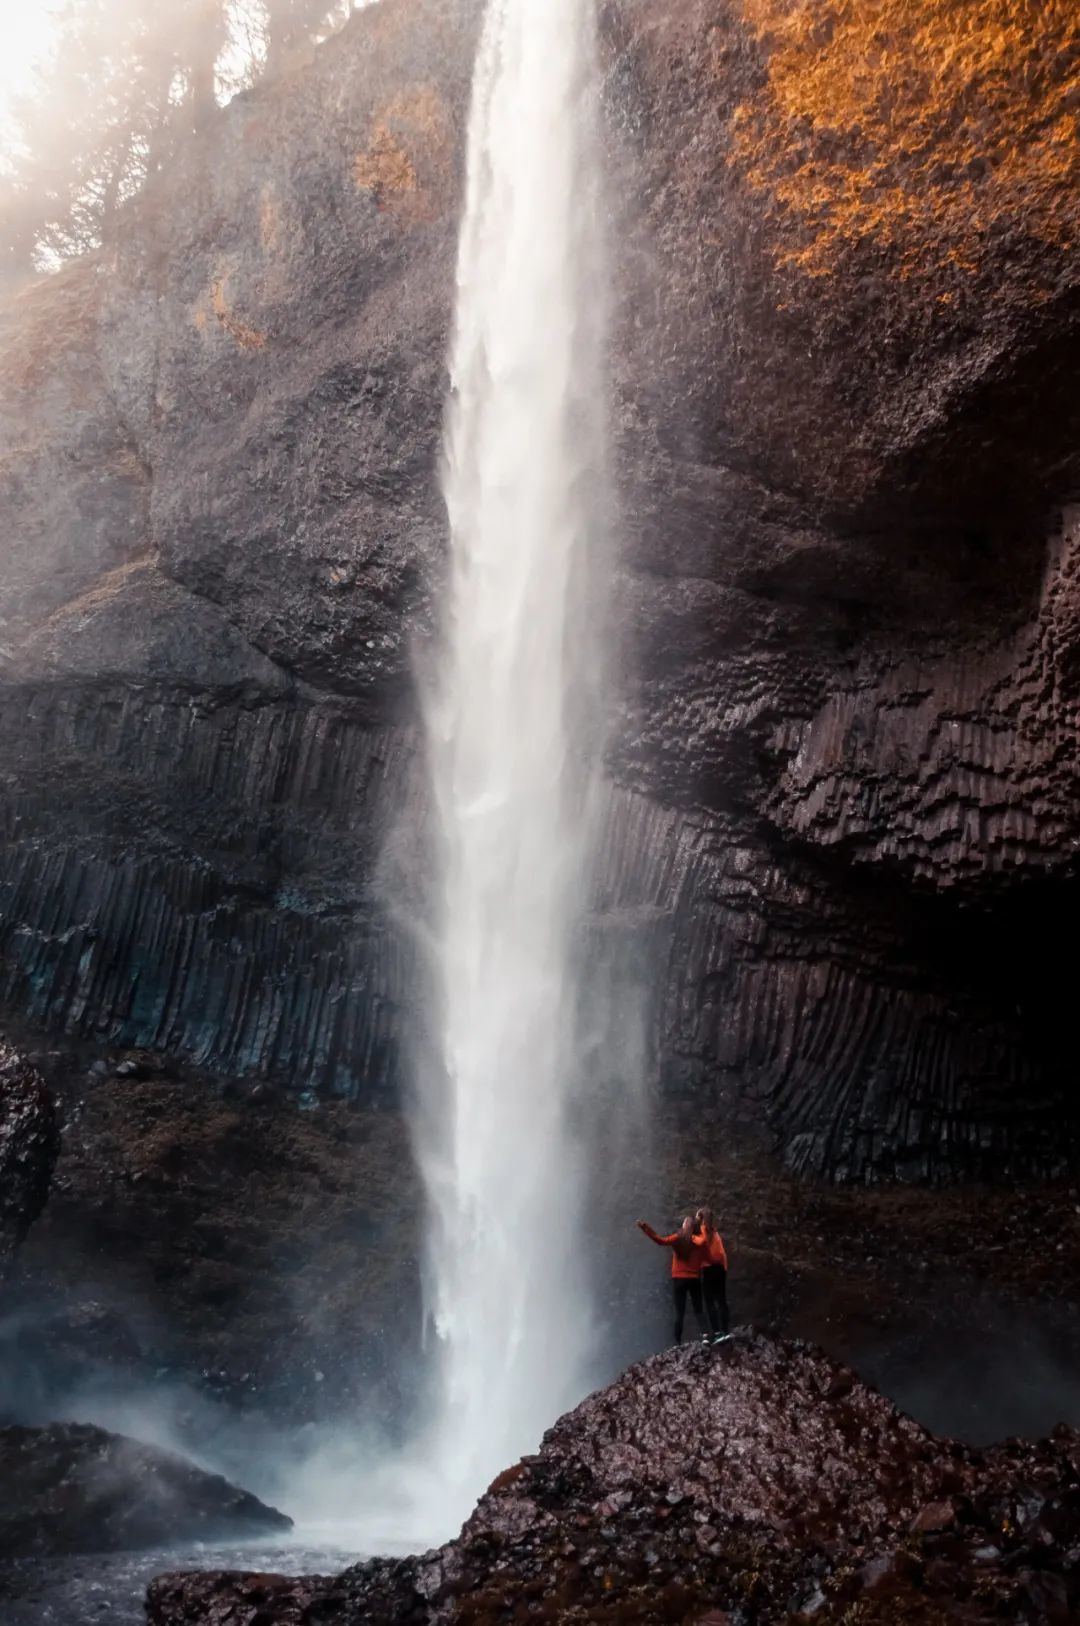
758 1481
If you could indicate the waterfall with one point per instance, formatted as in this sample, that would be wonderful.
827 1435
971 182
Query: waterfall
513 741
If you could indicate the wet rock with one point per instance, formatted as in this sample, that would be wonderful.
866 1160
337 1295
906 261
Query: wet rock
141 1064
932 1518
806 1504
73 1488
1057 1521
1048 1595
239 1600
381 1594
769 1444
887 1573
29 1146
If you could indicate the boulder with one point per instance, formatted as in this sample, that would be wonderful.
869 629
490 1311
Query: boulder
933 1517
74 1488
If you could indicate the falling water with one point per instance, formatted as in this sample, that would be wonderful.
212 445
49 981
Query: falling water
513 735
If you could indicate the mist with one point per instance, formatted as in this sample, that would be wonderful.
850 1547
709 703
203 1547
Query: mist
120 88
535 693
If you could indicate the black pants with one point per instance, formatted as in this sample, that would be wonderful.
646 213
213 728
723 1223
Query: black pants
683 1290
714 1288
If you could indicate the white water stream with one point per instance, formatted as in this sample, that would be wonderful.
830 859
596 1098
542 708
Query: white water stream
513 740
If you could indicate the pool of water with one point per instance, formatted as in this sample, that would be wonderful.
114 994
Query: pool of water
90 1589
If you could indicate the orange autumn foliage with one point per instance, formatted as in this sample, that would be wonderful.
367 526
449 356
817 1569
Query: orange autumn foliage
923 127
407 154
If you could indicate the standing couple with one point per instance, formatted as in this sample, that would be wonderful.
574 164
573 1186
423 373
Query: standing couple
698 1272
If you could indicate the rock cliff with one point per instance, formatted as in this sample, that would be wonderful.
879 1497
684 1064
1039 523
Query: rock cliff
843 760
842 825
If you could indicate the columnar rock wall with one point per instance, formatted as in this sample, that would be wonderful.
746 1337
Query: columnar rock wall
196 873
842 827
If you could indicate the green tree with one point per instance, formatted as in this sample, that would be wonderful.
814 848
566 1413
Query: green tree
72 153
20 228
291 24
128 82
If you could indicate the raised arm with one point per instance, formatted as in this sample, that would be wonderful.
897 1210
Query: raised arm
661 1241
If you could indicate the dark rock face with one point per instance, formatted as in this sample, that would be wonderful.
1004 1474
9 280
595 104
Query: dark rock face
72 1488
850 589
842 821
56 1353
29 1144
758 1480
203 711
260 1250
260 1247
225 1598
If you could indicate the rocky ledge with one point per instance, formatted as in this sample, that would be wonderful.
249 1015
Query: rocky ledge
752 1483
73 1488
29 1145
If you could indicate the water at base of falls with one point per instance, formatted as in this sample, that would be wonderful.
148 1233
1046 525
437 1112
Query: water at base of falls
512 746
87 1587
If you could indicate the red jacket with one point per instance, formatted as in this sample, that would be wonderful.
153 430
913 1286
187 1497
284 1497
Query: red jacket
712 1246
684 1267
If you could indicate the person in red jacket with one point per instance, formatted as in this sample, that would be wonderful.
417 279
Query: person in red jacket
687 1258
713 1271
